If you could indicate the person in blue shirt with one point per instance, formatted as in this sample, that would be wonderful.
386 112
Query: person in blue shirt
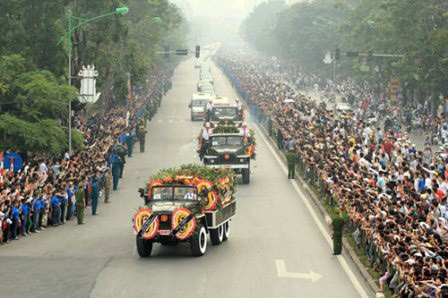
55 210
25 217
41 208
70 206
63 206
35 209
95 182
15 219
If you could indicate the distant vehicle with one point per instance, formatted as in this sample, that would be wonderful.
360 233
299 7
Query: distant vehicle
198 105
208 88
203 83
343 107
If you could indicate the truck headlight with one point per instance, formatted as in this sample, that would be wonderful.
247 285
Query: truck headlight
241 160
212 161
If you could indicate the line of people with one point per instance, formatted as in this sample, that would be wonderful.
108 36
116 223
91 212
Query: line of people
51 191
394 195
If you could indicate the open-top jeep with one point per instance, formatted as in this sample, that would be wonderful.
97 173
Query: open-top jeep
183 208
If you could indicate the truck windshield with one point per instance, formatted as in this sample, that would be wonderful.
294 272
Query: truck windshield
169 193
199 102
227 141
225 111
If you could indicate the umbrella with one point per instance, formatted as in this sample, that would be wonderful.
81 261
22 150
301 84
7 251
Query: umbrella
288 100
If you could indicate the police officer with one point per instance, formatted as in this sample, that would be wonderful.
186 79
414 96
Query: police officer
338 227
291 159
80 203
141 135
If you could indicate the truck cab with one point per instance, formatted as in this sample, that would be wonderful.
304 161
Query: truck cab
230 151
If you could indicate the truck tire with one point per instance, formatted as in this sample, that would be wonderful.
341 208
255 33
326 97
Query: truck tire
246 176
198 242
217 235
144 247
225 229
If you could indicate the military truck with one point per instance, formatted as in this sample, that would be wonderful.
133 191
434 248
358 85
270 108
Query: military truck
183 205
225 112
229 149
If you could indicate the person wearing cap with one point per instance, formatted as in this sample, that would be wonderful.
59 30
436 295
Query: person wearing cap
95 182
291 160
80 203
338 229
141 135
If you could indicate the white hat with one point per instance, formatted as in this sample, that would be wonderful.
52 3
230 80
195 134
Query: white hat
207 124
244 124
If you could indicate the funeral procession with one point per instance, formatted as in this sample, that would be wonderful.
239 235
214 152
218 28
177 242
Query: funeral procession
225 149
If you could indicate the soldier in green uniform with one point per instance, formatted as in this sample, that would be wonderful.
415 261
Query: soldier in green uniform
107 178
80 203
141 137
291 159
338 227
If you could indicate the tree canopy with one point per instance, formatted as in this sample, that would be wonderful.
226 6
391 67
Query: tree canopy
34 93
305 31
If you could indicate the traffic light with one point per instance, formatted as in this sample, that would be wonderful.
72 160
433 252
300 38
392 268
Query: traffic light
182 52
337 54
167 51
198 52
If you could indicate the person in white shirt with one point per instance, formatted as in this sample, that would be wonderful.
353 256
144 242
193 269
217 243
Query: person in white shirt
244 130
43 167
204 140
209 109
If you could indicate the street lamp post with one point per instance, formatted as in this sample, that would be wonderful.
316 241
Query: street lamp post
70 30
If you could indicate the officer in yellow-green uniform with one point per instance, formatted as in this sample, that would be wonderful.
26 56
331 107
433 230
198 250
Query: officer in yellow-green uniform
338 230
80 203
141 135
291 160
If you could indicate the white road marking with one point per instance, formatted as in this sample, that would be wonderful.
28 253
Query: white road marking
315 218
281 271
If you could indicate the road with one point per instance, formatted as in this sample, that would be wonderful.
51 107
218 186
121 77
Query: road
276 248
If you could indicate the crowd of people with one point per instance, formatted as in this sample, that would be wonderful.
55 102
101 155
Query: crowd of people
49 191
394 195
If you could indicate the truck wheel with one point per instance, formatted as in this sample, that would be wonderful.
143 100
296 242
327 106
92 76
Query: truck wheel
246 176
217 235
225 228
144 247
199 242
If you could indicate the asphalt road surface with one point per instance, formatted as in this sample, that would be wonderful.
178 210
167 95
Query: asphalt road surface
276 248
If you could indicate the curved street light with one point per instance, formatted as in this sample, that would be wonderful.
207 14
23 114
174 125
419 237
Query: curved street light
70 30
